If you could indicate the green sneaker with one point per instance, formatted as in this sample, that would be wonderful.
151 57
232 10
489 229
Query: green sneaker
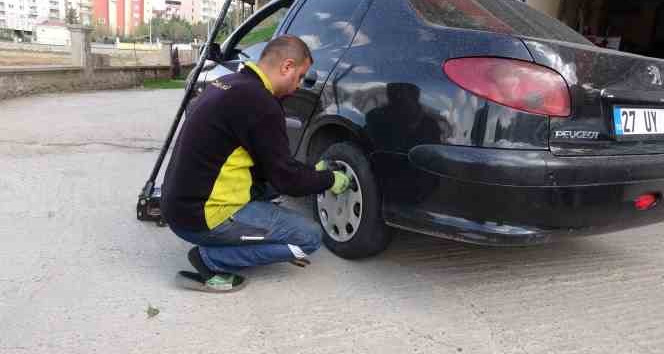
220 283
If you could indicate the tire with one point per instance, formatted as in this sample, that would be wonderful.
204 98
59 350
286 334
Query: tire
371 236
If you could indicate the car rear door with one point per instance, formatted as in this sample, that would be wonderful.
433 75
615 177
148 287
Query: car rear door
328 28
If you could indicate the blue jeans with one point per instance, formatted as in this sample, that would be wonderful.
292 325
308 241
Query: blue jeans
286 236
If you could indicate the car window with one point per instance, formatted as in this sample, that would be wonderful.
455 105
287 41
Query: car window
324 24
264 31
504 16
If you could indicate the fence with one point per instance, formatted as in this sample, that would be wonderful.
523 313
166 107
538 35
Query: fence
32 47
85 70
115 55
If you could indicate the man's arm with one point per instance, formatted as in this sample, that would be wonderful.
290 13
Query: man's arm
269 146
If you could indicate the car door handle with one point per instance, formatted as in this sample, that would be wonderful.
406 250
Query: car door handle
310 78
293 123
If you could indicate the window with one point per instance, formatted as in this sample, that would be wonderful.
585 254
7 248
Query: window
504 16
323 24
264 31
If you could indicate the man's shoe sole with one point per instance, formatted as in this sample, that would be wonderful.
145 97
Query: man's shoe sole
194 281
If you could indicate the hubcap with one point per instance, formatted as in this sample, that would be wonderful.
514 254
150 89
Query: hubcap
341 215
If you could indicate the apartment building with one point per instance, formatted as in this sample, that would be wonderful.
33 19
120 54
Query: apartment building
24 15
147 10
121 16
83 10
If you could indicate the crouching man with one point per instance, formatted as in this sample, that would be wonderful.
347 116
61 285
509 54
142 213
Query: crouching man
231 146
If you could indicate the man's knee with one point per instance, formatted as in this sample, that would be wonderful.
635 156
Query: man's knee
313 235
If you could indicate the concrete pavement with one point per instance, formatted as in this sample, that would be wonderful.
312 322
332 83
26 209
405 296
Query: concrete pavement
78 271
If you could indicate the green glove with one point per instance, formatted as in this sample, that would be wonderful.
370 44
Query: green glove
341 183
322 165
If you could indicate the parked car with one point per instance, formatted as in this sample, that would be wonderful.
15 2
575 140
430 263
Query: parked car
482 121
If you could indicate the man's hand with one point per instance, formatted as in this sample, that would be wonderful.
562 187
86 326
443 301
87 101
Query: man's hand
341 183
322 165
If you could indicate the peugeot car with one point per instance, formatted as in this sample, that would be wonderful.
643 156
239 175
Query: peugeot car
482 121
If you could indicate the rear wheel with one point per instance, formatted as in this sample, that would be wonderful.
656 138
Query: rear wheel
352 221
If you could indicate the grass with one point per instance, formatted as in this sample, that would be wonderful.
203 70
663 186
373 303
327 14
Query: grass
258 35
163 84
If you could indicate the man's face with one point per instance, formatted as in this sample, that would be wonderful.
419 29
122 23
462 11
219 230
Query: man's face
293 75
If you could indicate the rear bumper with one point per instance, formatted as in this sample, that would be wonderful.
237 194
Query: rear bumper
508 197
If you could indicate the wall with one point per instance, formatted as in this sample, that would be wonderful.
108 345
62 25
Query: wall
20 54
53 35
23 82
34 47
86 72
33 58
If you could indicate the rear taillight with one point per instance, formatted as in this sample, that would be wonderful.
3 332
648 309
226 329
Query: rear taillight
645 202
514 83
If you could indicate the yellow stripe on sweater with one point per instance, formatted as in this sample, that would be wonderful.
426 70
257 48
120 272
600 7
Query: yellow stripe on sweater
232 188
266 81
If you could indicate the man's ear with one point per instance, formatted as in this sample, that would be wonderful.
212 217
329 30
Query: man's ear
287 65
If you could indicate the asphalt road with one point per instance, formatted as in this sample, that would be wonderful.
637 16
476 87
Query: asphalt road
78 272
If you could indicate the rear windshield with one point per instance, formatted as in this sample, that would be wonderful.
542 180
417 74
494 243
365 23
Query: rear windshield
504 16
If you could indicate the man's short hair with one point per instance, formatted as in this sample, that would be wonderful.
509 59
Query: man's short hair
286 47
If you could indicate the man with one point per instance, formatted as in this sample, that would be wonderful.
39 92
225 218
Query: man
230 147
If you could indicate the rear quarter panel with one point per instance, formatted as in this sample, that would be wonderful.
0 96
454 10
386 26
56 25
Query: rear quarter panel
392 78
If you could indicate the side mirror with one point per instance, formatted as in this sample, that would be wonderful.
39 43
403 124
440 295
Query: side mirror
215 52
310 78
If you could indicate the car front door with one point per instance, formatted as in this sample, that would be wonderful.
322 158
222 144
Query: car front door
328 28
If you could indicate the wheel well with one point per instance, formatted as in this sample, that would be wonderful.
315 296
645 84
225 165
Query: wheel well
326 136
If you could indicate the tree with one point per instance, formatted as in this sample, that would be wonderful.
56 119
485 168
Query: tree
71 16
199 31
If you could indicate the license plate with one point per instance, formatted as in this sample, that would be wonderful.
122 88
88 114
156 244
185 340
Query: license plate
638 121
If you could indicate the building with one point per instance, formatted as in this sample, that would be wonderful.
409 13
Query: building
100 13
53 33
134 15
172 9
187 10
206 10
147 10
24 15
83 10
122 17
